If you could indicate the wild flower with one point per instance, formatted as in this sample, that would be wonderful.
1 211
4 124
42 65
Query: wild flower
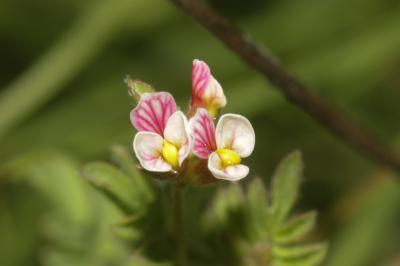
163 142
223 146
165 138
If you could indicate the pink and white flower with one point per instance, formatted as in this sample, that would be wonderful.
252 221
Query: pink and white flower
206 91
163 141
223 146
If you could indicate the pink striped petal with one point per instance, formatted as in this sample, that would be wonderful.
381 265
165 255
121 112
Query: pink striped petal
201 76
203 134
177 133
206 90
153 112
236 133
230 173
147 147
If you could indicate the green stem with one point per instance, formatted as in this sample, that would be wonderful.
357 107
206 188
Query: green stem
179 229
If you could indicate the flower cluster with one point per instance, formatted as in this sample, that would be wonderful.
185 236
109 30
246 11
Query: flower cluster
167 139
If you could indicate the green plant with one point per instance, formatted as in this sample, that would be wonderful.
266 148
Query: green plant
239 227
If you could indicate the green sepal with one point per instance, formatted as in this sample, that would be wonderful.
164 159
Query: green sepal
137 87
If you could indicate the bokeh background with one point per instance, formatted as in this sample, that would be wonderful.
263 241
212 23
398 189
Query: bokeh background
63 103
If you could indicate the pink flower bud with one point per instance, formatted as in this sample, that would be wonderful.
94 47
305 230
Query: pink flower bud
206 91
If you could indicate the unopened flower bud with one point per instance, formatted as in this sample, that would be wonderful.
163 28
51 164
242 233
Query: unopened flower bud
206 91
136 88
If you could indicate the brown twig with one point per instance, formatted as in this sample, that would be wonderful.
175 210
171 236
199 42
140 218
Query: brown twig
294 90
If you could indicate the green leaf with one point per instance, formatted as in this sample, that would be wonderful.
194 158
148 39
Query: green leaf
139 260
127 233
296 228
124 228
227 202
122 158
308 255
115 184
56 175
235 196
257 207
285 186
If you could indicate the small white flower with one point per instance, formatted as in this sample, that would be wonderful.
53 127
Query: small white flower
223 146
163 142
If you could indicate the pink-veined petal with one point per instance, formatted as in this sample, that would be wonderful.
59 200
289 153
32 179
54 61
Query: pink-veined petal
206 90
201 76
230 173
153 112
177 133
236 133
202 130
147 147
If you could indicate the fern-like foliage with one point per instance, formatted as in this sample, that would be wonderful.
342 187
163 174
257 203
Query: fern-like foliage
237 227
254 228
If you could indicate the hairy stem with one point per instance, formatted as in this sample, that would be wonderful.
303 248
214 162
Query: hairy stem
179 229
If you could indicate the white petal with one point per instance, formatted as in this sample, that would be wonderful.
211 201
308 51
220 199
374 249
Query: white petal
214 94
184 152
147 147
177 133
177 130
230 173
235 132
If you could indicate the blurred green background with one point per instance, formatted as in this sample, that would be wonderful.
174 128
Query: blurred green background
63 103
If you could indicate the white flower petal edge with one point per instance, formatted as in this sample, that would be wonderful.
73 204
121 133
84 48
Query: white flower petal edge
147 147
184 152
230 173
236 133
177 133
214 94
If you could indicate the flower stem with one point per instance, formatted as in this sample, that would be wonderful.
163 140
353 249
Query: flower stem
177 201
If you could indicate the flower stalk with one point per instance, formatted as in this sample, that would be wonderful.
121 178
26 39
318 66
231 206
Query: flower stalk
189 149
177 194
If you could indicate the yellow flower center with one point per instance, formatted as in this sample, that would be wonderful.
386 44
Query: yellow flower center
228 157
170 154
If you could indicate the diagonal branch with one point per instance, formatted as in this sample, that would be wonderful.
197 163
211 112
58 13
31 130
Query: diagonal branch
294 90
